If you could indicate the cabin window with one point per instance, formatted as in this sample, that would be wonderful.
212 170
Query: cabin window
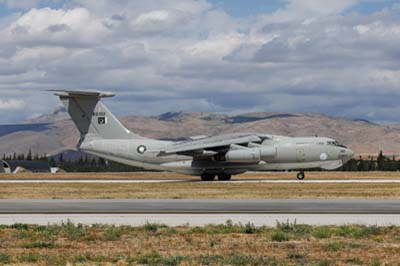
334 143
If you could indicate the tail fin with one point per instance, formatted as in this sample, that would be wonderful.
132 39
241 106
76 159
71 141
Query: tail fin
91 117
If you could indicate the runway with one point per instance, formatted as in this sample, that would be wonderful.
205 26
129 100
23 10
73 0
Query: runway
137 181
186 206
201 212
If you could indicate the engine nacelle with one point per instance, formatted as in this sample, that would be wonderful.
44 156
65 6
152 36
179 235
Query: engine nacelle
243 156
267 153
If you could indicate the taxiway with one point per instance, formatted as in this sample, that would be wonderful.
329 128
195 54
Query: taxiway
201 212
188 206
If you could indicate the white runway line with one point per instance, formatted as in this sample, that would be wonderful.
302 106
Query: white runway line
317 181
98 181
201 219
113 181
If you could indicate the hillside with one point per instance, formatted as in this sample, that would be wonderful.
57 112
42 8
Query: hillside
51 135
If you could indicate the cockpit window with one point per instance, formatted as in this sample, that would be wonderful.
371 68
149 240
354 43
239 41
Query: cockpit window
335 143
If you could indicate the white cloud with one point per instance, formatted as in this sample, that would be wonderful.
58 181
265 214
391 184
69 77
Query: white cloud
156 16
60 27
11 104
216 46
159 20
308 56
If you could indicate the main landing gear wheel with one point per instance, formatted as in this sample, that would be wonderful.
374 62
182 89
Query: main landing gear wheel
300 176
224 177
207 177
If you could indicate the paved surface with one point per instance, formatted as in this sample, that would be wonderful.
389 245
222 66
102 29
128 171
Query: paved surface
202 219
115 181
152 206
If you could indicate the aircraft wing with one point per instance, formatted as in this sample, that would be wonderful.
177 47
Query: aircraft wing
211 145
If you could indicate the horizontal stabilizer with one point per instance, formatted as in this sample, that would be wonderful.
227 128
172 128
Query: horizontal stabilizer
71 93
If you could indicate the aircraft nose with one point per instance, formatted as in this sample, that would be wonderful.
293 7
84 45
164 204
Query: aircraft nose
350 153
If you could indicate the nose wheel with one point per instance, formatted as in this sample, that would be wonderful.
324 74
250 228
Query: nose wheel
301 175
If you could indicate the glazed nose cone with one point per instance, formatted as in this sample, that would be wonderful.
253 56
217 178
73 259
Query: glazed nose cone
350 153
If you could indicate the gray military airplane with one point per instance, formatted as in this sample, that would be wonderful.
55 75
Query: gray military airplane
223 156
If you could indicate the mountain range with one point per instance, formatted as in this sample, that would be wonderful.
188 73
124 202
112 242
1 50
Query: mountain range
55 132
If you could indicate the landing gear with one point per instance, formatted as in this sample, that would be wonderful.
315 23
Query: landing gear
300 175
211 177
207 177
224 177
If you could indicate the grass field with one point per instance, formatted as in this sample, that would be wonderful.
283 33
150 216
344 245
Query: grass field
198 190
226 244
201 190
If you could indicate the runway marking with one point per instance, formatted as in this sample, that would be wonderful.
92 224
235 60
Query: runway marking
317 181
113 181
96 181
201 219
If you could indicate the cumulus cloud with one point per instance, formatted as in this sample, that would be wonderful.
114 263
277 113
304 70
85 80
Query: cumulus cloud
11 104
309 55
57 27
158 21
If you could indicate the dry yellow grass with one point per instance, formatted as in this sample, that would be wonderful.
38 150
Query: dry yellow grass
228 244
166 175
198 190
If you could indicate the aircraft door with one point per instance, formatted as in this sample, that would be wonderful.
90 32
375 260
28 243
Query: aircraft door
300 155
5 167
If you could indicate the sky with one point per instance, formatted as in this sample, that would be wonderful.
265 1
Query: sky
340 58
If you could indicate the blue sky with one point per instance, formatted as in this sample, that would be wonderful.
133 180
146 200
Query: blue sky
7 9
237 8
368 7
340 58
241 8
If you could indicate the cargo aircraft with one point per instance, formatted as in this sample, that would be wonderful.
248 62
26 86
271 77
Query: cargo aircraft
103 135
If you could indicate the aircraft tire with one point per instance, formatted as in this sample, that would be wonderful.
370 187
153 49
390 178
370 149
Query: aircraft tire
207 177
301 176
224 177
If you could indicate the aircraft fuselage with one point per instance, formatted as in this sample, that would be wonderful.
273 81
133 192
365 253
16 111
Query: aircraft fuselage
283 153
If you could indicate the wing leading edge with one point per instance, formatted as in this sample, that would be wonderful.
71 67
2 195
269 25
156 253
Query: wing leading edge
209 146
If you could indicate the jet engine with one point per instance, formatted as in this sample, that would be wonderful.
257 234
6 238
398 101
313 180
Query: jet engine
267 153
253 155
243 156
